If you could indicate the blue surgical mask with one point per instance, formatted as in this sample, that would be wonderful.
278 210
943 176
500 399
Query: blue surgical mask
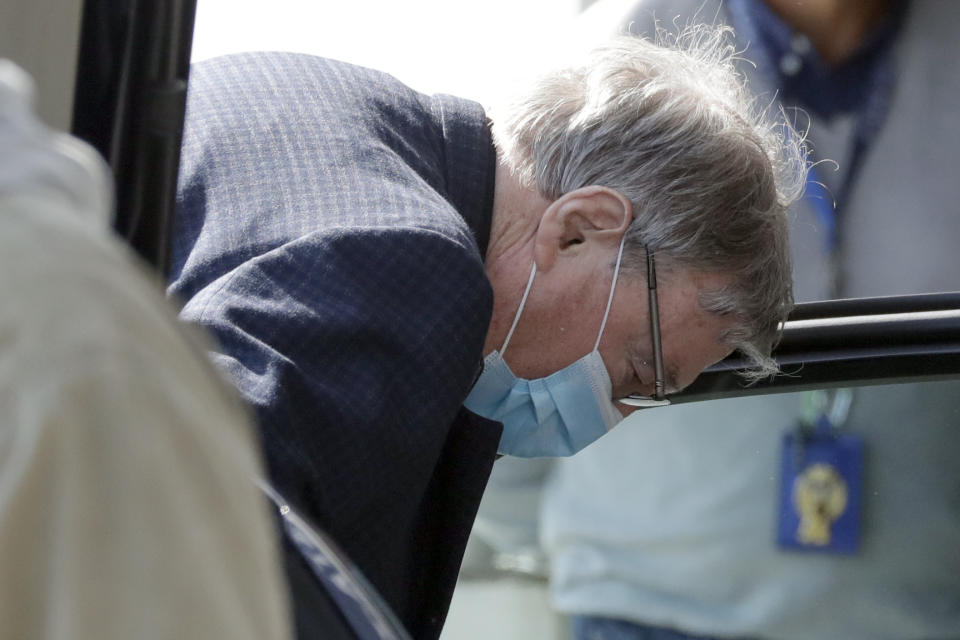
553 416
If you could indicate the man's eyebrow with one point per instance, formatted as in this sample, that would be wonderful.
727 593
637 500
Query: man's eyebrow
635 351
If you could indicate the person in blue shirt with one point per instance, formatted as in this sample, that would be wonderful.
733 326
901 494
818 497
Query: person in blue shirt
697 521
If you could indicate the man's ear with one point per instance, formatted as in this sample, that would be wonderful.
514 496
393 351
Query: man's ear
585 215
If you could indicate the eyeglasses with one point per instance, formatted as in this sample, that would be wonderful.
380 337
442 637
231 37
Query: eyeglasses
659 399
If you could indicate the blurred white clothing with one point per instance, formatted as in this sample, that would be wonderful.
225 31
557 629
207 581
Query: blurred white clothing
127 507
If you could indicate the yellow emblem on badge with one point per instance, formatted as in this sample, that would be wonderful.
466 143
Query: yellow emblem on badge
820 497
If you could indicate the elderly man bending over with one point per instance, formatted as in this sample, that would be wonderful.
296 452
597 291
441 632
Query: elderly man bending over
403 286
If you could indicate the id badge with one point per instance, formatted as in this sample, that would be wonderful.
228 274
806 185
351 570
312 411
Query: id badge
820 490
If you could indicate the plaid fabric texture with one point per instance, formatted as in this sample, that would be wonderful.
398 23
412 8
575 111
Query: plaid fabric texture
330 232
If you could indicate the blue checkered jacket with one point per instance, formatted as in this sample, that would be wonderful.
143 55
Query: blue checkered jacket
330 231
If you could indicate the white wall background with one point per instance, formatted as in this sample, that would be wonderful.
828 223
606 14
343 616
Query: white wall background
464 47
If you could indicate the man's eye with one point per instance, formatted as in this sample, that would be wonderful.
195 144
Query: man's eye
637 384
639 373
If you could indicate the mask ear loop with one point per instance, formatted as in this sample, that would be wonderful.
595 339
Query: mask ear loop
606 312
613 287
523 302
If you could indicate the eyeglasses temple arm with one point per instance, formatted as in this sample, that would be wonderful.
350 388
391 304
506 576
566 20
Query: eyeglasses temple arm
658 388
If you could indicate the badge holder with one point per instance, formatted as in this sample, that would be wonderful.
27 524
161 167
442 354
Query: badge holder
821 481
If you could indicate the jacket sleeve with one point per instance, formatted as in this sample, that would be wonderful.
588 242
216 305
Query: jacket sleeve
357 347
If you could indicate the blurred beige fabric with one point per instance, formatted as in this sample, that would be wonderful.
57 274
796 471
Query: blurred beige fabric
127 507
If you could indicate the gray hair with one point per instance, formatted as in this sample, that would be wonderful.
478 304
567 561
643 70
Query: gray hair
671 126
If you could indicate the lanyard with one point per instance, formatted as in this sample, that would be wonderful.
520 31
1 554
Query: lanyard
825 409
